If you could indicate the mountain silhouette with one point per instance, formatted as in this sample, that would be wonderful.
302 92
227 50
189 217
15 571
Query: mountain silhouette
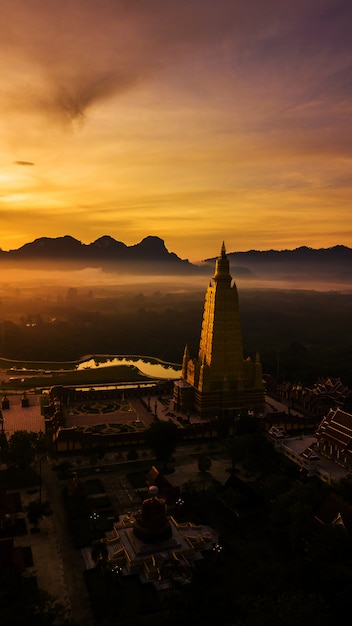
303 263
151 256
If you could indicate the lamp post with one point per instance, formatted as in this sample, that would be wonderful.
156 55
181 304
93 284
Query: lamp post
116 571
94 518
217 550
179 503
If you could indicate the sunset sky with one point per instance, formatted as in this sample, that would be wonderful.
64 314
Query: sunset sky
194 120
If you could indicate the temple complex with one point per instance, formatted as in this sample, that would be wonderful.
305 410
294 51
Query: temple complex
220 382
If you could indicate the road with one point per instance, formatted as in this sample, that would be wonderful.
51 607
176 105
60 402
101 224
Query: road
71 559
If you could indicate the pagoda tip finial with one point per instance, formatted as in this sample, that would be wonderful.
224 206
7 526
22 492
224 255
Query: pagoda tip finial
222 268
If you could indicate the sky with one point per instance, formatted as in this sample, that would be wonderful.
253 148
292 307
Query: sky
196 121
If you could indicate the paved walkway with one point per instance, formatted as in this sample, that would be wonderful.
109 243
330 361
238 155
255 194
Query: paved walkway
57 564
46 552
72 563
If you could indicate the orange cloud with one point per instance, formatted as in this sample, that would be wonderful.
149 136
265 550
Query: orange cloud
182 119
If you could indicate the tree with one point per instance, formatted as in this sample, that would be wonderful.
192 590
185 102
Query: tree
71 293
36 510
204 463
189 489
332 545
292 516
289 608
344 488
43 446
246 423
27 604
252 451
163 438
300 527
4 448
99 451
22 448
132 454
99 553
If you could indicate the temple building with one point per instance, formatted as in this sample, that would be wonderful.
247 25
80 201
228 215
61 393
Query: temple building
220 382
149 542
334 437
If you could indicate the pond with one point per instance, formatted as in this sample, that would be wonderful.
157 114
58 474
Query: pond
147 365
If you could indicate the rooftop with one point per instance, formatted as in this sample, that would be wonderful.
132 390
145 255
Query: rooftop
18 417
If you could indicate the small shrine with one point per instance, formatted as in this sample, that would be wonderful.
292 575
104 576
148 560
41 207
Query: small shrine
142 542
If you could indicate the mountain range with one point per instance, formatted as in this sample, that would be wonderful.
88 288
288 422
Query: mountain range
151 256
111 255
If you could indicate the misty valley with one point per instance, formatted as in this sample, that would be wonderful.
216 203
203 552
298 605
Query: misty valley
300 334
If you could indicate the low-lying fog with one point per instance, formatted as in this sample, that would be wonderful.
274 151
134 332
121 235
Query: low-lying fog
90 277
23 279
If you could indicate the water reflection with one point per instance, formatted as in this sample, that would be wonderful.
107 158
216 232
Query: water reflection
146 365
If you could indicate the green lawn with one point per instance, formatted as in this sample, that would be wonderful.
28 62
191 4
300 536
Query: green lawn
108 375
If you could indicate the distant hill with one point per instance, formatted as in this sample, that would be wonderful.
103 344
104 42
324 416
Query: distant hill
329 264
151 256
148 256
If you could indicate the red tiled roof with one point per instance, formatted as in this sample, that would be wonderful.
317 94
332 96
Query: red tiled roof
337 428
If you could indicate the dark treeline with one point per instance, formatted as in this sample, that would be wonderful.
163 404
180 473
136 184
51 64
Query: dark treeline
300 335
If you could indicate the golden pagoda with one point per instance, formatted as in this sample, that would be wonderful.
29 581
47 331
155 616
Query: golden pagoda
220 382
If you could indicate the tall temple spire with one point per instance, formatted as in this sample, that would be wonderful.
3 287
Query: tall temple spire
220 381
220 346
